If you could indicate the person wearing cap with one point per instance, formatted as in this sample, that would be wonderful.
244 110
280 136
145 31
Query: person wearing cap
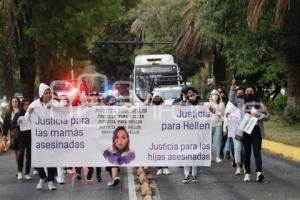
217 107
45 100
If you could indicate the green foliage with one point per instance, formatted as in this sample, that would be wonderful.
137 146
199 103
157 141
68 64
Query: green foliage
253 57
278 105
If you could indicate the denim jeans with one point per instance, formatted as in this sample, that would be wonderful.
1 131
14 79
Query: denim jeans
188 169
238 151
217 139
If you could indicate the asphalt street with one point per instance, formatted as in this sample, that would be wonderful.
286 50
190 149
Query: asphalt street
282 181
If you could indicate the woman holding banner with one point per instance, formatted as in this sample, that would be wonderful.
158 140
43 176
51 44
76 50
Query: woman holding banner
113 171
45 101
191 100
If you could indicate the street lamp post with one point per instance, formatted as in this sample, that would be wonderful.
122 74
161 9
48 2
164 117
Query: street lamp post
72 69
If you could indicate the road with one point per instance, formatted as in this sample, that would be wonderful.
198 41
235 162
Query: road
217 182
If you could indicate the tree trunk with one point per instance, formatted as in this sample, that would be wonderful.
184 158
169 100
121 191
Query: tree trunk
292 110
28 69
8 42
291 51
25 52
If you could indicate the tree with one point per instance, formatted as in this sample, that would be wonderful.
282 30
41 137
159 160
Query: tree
8 63
287 15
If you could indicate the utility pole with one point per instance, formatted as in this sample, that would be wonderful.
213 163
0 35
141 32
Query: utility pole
72 68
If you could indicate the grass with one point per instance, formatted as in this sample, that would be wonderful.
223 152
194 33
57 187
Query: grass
280 131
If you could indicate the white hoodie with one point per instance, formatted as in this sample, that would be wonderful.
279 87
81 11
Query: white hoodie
38 102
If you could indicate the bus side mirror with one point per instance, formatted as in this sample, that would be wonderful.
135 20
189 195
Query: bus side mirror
130 77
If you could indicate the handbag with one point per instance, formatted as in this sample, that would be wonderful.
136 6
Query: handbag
13 143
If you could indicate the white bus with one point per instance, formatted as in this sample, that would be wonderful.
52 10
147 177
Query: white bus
153 71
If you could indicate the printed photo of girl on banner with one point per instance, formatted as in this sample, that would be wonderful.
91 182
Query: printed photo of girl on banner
120 153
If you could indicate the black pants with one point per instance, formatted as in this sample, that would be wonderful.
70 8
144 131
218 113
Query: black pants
51 173
254 140
98 170
24 145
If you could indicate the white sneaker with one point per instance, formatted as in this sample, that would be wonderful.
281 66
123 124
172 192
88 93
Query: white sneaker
60 180
51 185
41 183
218 160
114 182
159 172
186 179
27 177
238 171
166 171
20 176
247 178
259 177
35 172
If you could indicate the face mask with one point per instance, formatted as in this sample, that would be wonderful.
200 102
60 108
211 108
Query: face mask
215 98
240 96
249 97
157 101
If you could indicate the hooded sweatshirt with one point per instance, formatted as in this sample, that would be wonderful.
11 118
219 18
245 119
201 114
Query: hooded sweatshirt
38 103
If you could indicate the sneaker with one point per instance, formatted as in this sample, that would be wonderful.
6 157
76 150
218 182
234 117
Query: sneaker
233 164
27 177
186 179
20 176
89 175
35 172
221 154
114 182
238 171
99 179
41 183
159 172
166 171
259 177
60 180
78 176
194 179
247 178
218 160
228 157
51 185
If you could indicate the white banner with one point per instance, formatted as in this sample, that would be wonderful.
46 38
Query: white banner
121 136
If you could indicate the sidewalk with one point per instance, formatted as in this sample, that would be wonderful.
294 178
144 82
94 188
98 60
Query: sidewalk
287 151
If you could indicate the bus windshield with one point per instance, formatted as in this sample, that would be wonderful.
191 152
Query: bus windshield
149 77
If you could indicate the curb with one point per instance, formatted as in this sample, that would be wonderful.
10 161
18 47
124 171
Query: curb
287 151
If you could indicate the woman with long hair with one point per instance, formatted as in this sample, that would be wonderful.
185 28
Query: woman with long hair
10 128
254 107
24 141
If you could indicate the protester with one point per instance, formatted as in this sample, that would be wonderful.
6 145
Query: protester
225 143
24 141
114 172
156 99
236 97
10 129
257 109
190 172
45 101
94 101
217 107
